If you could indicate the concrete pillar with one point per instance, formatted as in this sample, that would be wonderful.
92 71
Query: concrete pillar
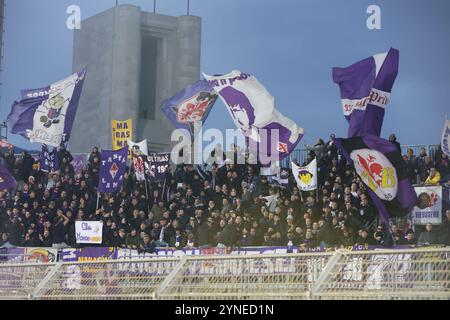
189 48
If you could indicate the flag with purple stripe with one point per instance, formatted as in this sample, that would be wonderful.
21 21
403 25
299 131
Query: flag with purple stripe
190 105
112 169
49 160
382 169
46 115
365 89
252 109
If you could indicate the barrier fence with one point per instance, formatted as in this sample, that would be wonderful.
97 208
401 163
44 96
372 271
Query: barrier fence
421 273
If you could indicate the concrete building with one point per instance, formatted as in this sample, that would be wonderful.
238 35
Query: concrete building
135 61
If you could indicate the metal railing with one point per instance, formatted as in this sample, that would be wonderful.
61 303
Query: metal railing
421 273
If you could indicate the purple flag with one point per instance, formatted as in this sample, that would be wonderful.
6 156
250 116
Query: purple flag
383 170
78 162
112 169
156 166
48 160
190 105
7 181
46 115
365 91
252 109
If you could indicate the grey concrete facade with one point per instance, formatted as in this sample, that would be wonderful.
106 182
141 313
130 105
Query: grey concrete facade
135 60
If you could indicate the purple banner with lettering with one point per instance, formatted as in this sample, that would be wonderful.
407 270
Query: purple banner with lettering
112 169
156 166
88 254
48 160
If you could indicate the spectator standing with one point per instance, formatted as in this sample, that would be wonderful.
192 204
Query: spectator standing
428 236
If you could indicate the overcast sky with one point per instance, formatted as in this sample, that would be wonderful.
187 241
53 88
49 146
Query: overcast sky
289 45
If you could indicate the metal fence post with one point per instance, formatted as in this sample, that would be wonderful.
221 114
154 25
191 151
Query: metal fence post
170 277
325 274
41 286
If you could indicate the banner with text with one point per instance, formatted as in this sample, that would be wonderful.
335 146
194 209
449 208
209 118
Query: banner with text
89 231
429 205
122 131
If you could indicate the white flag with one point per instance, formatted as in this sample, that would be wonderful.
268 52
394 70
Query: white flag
306 177
142 146
445 142
252 108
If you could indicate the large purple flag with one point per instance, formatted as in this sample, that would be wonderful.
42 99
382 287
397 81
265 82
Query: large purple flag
7 181
48 160
365 91
383 170
46 115
253 108
112 169
190 105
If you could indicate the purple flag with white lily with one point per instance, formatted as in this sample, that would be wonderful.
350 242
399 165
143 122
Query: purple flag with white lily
112 169
365 89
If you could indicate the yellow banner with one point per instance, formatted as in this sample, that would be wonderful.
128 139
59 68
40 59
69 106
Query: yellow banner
121 132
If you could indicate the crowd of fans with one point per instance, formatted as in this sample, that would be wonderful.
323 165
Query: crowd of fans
218 205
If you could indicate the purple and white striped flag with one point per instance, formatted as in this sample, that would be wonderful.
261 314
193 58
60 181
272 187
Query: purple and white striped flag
365 91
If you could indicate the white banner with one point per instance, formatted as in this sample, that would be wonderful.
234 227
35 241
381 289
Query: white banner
49 118
429 206
89 231
141 145
306 177
445 141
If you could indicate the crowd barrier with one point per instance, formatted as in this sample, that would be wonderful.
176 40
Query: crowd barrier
244 274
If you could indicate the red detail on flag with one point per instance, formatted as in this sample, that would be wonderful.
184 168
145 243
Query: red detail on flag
113 170
192 110
373 168
138 165
283 147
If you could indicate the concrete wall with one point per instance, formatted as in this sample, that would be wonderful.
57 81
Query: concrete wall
110 43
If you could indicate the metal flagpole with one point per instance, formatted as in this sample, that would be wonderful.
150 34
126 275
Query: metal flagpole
98 198
146 191
188 3
164 185
154 6
117 3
